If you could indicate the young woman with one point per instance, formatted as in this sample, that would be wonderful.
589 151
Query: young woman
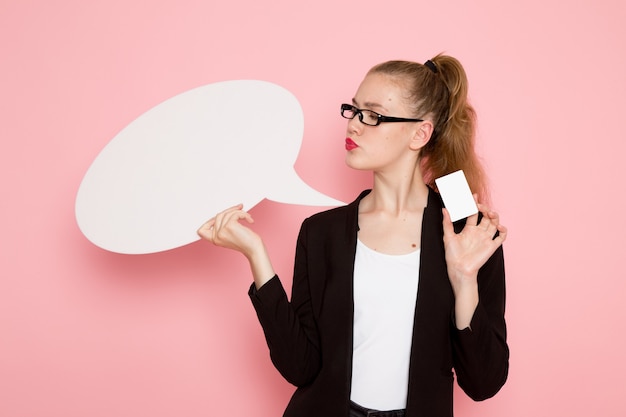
389 296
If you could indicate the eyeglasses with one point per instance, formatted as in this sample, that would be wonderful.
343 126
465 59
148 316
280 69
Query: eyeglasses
371 118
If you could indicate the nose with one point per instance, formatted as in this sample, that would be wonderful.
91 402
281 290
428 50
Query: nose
355 125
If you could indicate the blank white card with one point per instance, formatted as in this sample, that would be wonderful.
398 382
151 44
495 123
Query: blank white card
456 195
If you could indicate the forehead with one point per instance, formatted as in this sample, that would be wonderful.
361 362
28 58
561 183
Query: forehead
380 91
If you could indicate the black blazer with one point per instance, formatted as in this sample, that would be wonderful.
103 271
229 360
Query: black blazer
310 338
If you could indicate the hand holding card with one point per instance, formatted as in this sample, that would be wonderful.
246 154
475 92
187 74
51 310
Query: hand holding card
456 195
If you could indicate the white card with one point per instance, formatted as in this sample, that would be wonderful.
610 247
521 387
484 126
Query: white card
456 195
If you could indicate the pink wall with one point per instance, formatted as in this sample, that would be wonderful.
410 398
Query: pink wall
85 332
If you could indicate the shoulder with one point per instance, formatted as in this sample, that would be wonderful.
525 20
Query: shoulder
336 223
337 214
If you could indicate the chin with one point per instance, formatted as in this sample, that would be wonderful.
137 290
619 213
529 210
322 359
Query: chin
354 163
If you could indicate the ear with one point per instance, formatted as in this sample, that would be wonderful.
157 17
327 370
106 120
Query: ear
422 134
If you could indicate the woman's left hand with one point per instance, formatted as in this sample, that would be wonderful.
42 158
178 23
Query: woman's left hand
467 252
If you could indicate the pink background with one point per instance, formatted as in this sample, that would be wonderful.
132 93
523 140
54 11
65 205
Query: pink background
85 332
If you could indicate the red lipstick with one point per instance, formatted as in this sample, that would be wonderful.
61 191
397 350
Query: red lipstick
350 144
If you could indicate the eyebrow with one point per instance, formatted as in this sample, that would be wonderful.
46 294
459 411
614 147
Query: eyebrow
369 105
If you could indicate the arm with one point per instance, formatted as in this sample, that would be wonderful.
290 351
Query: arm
476 271
466 253
289 328
480 351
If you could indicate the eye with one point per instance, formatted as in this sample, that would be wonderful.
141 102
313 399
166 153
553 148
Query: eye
370 117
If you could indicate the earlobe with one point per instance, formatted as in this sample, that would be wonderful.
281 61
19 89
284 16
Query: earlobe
422 135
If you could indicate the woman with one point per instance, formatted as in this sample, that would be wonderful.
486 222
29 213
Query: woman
388 294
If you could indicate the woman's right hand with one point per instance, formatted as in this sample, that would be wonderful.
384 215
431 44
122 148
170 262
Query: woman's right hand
225 230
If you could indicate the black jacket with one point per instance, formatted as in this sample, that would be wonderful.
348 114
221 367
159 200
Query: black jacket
310 338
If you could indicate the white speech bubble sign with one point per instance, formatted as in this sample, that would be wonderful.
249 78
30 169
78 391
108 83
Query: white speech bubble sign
190 157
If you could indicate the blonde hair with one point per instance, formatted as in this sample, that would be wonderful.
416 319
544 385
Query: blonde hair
438 90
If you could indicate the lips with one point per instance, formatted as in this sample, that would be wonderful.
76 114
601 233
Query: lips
350 144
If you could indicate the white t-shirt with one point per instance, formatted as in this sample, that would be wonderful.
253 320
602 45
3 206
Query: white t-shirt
385 293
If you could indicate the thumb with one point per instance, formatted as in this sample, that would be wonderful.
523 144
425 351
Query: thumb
448 228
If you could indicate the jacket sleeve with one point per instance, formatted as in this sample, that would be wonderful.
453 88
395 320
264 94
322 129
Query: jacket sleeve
480 352
289 327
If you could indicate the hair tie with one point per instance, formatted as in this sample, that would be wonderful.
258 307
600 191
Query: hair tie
431 66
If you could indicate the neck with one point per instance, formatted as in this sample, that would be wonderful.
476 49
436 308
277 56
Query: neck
396 194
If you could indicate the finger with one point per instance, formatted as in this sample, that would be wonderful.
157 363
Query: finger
206 230
234 208
492 228
448 228
472 220
502 234
230 229
489 223
235 216
494 218
485 222
220 218
494 222
487 212
488 215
